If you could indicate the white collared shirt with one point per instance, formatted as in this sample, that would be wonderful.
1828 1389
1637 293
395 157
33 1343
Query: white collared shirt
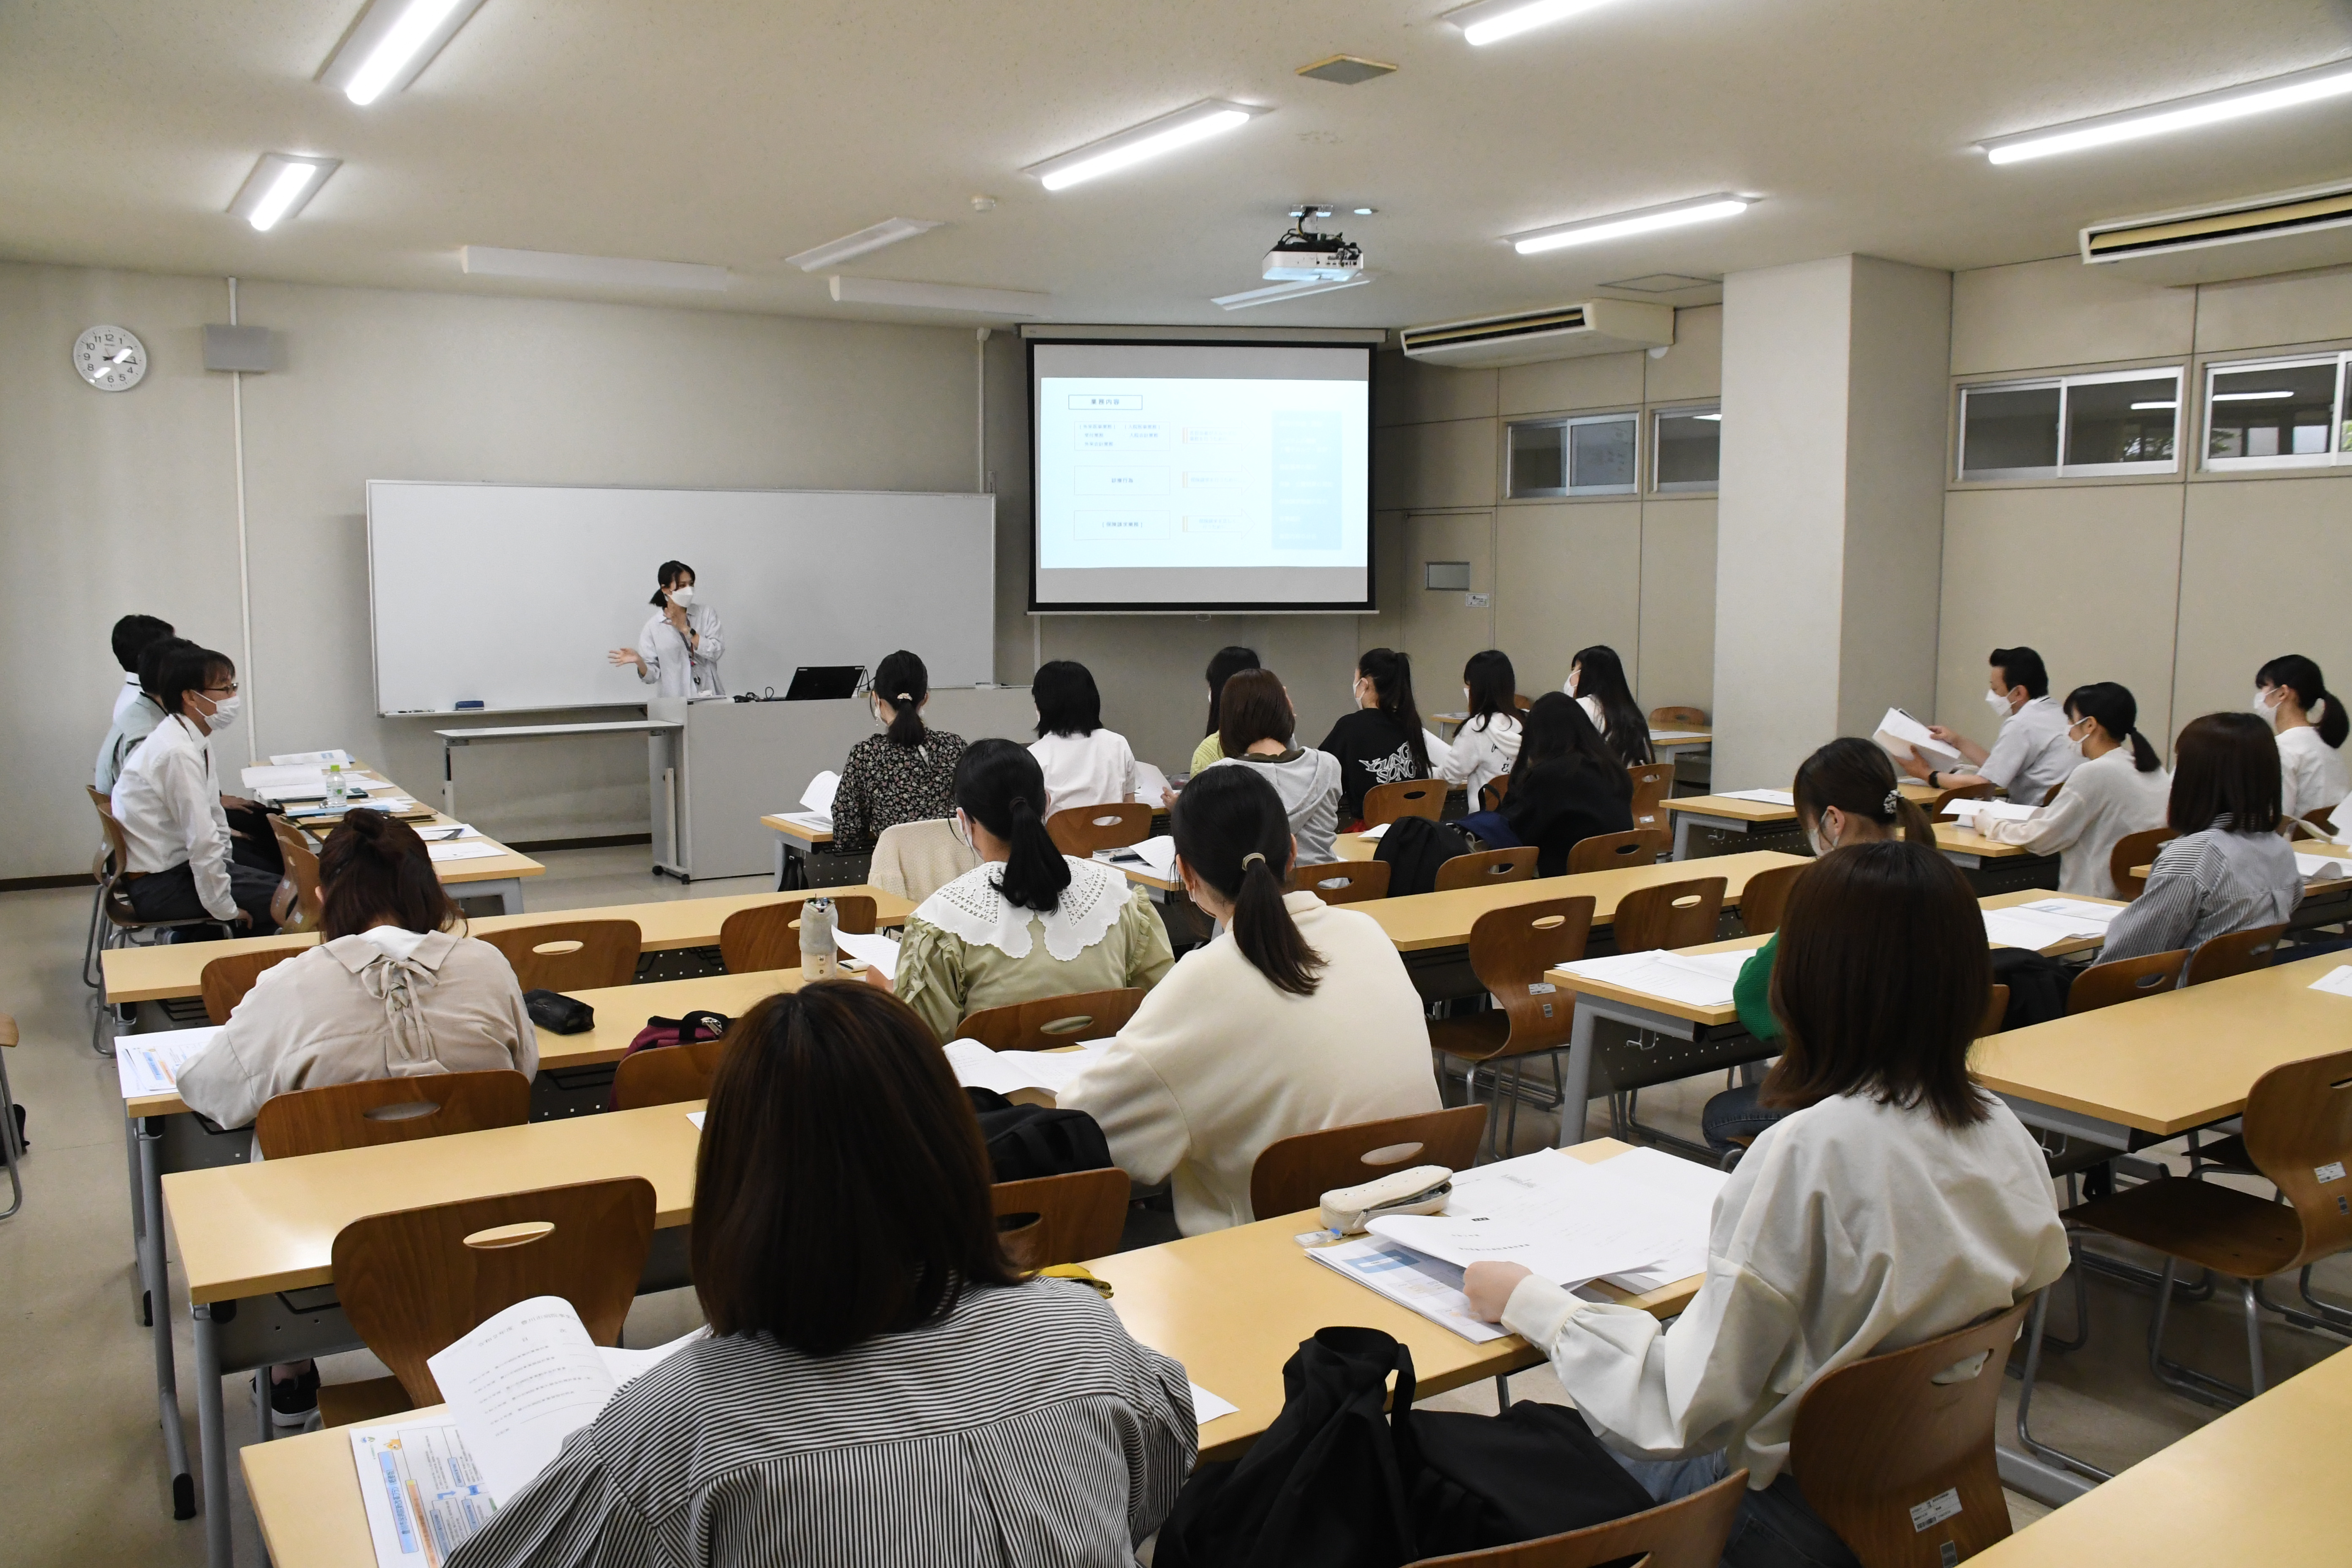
2312 774
673 669
2031 753
168 801
127 696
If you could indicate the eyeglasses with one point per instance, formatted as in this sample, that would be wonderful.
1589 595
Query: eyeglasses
228 690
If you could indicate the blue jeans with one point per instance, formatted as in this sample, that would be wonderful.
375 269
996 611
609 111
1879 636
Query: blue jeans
1774 1528
1735 1113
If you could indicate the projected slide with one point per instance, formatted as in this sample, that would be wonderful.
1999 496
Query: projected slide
1238 479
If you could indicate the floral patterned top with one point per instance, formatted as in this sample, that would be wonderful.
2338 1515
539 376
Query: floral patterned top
883 785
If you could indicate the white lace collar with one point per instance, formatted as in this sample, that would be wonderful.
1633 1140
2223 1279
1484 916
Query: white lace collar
971 908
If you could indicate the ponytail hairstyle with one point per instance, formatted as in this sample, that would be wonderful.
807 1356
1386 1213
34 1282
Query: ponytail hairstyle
901 682
1223 665
2112 709
1493 688
374 867
1391 673
1854 776
1232 831
669 573
1557 734
2301 676
1601 675
999 786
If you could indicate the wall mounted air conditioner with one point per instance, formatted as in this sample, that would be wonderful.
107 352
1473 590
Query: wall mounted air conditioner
1529 337
2288 231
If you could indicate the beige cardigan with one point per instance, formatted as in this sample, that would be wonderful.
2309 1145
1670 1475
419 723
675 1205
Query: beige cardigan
349 1011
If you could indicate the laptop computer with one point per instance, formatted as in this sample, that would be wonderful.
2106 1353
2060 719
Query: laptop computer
825 683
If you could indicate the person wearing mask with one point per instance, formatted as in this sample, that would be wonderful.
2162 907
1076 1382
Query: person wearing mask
1566 786
905 773
133 635
136 720
1897 1201
2311 724
1381 740
2230 871
1596 678
1298 1016
1488 740
2120 787
1223 665
1084 764
880 1383
1259 727
181 862
1028 922
2030 756
677 652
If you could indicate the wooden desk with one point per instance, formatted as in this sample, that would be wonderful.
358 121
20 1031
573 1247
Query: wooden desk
1425 921
805 857
495 876
1667 745
1703 821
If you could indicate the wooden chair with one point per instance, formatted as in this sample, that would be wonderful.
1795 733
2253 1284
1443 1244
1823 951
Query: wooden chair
2051 795
297 905
1407 797
1677 718
1880 1440
1980 790
1688 1532
2124 980
667 1075
769 936
225 981
573 955
2135 849
1080 1216
2240 953
1996 1013
1522 701
1652 783
1342 881
415 1282
1495 791
1765 898
2323 819
1052 1021
390 1110
1293 1174
1083 829
1670 915
1487 868
123 921
1511 949
1608 851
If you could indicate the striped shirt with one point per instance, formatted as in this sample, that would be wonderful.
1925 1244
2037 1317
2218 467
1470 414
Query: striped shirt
1024 1428
2206 885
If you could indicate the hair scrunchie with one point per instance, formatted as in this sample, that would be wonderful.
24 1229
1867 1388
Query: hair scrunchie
1252 855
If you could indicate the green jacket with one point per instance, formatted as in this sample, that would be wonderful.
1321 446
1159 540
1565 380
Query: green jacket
1752 991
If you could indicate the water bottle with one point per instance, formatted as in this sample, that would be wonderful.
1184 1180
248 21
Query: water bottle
339 792
820 957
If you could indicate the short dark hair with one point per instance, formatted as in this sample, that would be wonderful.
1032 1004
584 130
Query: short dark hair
1223 665
1000 785
1494 688
186 668
2116 711
2224 764
2021 667
1255 708
1068 702
131 635
151 661
667 573
375 867
1230 829
842 1191
1881 983
1855 777
901 682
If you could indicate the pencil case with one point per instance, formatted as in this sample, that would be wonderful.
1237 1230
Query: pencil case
1420 1190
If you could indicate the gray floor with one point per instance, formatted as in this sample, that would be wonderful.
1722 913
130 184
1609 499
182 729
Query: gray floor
81 1473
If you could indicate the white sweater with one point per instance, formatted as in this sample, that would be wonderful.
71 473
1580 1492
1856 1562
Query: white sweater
2312 774
1216 1064
2104 799
1483 752
1849 1229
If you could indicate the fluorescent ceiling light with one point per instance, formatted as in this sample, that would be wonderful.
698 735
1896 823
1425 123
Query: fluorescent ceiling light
603 271
2245 396
1195 122
2177 114
392 42
1644 220
2152 407
1714 416
939 296
1491 21
1247 297
874 236
281 185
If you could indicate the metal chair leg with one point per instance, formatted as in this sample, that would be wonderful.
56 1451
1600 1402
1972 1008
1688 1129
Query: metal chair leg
2183 1379
9 1149
92 976
1511 1138
2033 1333
1502 1392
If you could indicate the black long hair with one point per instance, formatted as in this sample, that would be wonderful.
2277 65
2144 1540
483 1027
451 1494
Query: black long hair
1391 673
901 682
1493 688
1223 665
1601 675
999 786
1558 732
2117 712
1855 775
2301 676
1232 831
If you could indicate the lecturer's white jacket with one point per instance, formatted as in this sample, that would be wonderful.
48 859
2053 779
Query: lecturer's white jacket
674 669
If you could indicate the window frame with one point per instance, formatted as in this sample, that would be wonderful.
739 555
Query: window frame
1569 490
2066 385
2337 414
1996 476
1657 447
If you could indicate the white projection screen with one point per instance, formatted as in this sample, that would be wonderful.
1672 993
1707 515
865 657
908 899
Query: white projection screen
1178 476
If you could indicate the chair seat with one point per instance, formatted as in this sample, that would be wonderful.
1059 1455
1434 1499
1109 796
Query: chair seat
2215 1227
370 1399
1477 1037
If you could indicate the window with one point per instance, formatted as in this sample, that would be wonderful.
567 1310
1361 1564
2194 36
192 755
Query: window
1536 460
2287 414
1688 447
2119 422
2008 432
1588 456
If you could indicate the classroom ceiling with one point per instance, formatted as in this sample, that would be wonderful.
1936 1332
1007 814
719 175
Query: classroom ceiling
736 133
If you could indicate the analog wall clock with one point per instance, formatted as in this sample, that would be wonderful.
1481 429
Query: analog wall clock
111 358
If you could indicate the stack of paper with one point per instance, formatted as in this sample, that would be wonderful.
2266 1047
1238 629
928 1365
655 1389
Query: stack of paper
2322 867
281 783
879 950
2047 922
1761 796
1372 835
313 760
1156 855
1980 814
1694 979
1904 736
152 1063
449 832
465 849
1678 735
1006 1072
817 803
2337 980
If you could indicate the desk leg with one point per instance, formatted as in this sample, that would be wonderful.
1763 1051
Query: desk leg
220 1551
780 862
139 1223
508 890
1682 835
448 781
154 1269
1576 1082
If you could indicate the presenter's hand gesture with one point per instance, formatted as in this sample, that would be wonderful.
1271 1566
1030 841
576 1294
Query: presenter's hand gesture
622 656
676 612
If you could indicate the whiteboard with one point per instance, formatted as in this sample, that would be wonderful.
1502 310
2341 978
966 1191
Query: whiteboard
513 594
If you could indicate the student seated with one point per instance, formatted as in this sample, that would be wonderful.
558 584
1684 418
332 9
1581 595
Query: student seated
1259 726
1488 740
168 800
1896 1202
1223 665
1028 922
2230 871
1596 679
1298 1016
2031 753
881 1385
907 774
1381 740
1084 764
133 635
2311 724
136 720
1566 787
2119 788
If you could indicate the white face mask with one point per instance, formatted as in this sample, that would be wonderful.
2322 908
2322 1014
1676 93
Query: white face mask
1569 686
1998 701
1819 844
2264 707
223 718
682 595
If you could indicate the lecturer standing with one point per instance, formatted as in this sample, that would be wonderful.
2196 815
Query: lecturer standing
678 651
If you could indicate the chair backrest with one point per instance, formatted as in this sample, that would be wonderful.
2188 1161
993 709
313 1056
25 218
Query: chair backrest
1052 1021
2124 980
1522 701
298 905
1495 792
2052 794
2240 953
1671 914
1406 797
390 1110
1083 829
1293 1174
1607 851
571 955
2298 1131
415 1282
1688 1532
1080 1214
118 856
1486 867
1677 718
1980 790
916 859
2135 849
1995 1012
1765 898
769 935
1512 949
1653 781
2324 819
225 981
1881 1443
667 1075
1342 881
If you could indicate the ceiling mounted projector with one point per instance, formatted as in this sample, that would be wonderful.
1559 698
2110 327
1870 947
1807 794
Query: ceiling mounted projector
1302 255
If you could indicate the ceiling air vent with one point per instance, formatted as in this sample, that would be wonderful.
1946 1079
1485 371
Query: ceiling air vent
1529 337
2289 231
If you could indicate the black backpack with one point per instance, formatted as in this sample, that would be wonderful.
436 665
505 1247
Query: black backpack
2037 985
1028 1141
1414 847
1338 1483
